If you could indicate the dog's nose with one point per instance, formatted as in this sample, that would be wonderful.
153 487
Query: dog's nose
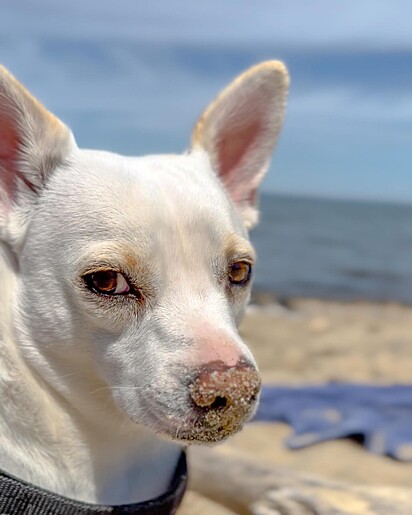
225 394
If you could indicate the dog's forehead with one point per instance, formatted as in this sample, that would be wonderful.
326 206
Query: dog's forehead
162 191
150 209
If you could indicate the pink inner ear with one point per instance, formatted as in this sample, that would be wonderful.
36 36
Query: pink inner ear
232 147
9 145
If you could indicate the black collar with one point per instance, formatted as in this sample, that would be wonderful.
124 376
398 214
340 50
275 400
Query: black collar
21 498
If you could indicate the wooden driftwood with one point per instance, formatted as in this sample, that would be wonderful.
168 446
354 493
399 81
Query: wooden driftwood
246 486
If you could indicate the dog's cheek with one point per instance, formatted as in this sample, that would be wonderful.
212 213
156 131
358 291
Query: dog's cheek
127 363
239 311
46 319
238 301
109 314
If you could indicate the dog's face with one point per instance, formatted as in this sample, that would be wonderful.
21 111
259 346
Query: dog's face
134 272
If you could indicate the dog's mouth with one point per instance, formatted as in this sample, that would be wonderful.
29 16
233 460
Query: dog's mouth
217 422
210 425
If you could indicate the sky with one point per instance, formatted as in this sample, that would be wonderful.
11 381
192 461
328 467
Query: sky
133 76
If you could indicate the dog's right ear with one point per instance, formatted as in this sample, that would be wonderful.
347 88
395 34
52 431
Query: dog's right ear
32 143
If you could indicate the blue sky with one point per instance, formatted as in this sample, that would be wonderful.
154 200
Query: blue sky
133 76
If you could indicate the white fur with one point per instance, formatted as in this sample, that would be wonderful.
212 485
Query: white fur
94 391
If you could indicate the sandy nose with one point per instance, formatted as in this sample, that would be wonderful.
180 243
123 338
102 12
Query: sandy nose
226 389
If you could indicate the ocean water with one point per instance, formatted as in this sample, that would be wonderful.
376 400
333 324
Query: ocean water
334 249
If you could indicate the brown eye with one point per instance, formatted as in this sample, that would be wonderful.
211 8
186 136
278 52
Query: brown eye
240 272
107 282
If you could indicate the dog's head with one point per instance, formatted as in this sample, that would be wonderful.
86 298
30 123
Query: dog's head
132 273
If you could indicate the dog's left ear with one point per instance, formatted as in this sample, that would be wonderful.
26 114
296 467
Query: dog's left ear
239 131
32 143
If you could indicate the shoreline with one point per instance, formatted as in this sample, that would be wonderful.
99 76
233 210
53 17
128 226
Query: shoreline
261 298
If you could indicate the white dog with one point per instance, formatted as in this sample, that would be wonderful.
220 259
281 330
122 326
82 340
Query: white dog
122 282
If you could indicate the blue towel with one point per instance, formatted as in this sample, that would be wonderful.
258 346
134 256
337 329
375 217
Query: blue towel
380 417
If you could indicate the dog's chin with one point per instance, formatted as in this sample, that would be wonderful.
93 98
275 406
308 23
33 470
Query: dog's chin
197 427
206 436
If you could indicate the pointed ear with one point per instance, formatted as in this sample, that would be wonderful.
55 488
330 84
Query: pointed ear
239 131
32 143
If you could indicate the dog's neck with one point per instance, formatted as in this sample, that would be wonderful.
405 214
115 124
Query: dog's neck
90 455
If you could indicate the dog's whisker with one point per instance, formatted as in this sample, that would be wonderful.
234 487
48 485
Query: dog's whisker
139 388
72 374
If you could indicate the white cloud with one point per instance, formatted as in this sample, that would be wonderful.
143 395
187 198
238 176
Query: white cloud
156 87
167 96
347 103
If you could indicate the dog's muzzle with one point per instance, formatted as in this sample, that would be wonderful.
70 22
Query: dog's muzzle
223 398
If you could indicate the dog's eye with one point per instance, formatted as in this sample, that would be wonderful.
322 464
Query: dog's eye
107 282
240 272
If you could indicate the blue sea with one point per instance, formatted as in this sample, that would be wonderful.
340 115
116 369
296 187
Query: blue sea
348 250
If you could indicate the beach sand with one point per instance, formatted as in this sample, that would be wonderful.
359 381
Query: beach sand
314 341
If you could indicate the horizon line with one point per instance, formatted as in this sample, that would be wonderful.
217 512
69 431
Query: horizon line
336 198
